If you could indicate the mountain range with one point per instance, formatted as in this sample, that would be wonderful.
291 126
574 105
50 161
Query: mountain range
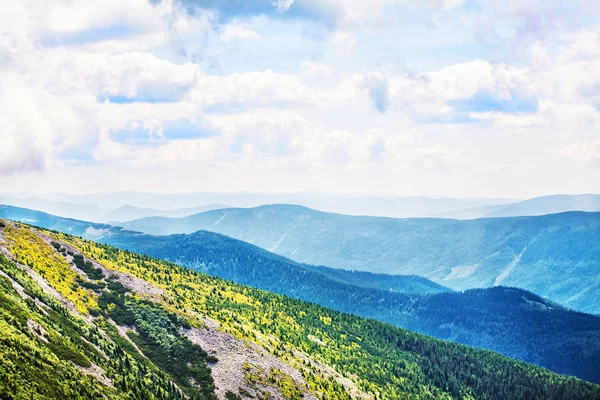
418 206
83 320
537 206
508 320
90 212
127 206
556 256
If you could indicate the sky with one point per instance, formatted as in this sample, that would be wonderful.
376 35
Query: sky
453 98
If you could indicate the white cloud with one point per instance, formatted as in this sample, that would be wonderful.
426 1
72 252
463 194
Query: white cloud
61 63
586 153
253 88
232 32
316 68
283 5
518 122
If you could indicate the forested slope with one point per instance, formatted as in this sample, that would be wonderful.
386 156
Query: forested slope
161 306
508 320
514 322
556 256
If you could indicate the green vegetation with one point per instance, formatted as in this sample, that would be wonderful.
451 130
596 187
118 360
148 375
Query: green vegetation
49 352
382 360
87 267
158 336
43 348
256 376
510 321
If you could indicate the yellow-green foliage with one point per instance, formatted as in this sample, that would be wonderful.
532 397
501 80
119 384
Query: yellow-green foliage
256 376
264 320
20 350
43 347
383 361
29 249
286 384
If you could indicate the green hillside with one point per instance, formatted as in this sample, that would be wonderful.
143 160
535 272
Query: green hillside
89 320
513 322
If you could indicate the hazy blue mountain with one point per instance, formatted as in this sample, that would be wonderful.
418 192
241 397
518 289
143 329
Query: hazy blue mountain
537 206
98 214
511 321
89 230
550 205
396 283
556 256
61 208
347 204
129 239
127 212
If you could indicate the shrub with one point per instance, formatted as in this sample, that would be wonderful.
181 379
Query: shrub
212 359
232 396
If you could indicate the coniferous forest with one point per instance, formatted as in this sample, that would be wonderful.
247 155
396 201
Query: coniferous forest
120 327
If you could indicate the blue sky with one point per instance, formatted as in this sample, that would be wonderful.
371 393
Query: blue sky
393 97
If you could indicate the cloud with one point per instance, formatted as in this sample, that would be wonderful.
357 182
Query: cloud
282 5
585 153
227 10
129 88
232 32
329 13
316 68
512 121
253 89
36 126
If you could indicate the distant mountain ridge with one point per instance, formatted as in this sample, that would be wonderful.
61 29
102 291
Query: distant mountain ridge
537 206
512 321
88 212
556 256
401 207
124 238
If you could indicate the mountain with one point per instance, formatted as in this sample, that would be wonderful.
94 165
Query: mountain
127 212
537 206
83 320
556 256
127 239
400 207
97 214
511 321
62 208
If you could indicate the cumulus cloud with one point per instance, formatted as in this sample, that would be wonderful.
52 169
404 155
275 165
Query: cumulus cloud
104 85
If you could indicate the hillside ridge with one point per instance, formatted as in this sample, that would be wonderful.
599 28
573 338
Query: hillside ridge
132 299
